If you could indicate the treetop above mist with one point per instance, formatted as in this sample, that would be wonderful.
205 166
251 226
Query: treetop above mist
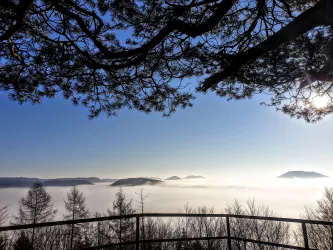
236 49
301 174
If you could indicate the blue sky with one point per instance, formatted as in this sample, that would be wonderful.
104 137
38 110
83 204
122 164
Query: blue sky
56 139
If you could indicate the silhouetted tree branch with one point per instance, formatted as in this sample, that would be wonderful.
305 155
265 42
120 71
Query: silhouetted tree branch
110 55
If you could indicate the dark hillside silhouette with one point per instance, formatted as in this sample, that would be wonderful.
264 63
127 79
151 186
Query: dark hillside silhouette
155 178
136 182
64 183
7 182
108 180
236 49
90 179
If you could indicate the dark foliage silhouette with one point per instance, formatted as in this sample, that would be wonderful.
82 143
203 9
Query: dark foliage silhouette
136 182
23 243
113 54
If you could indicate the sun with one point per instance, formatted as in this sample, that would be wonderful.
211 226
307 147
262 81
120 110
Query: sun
320 102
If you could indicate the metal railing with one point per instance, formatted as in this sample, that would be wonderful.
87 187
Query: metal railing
137 242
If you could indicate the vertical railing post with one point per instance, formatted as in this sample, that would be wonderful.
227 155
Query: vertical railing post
137 237
228 232
72 236
331 237
98 234
33 238
305 236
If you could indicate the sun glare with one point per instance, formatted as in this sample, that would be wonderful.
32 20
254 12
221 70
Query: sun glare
320 102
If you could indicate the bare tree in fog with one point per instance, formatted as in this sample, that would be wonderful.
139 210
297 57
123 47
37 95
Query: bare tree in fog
320 236
141 202
158 228
36 207
263 230
122 229
203 226
76 209
75 205
141 206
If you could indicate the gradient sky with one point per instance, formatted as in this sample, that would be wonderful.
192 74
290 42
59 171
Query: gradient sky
56 139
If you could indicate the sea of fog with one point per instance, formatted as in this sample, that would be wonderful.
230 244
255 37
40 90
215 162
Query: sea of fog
286 197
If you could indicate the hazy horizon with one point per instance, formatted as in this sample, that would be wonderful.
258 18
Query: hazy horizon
171 196
207 174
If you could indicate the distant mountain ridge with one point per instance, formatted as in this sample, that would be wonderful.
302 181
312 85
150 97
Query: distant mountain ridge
22 182
66 183
189 177
194 177
91 179
8 182
136 182
302 175
173 178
